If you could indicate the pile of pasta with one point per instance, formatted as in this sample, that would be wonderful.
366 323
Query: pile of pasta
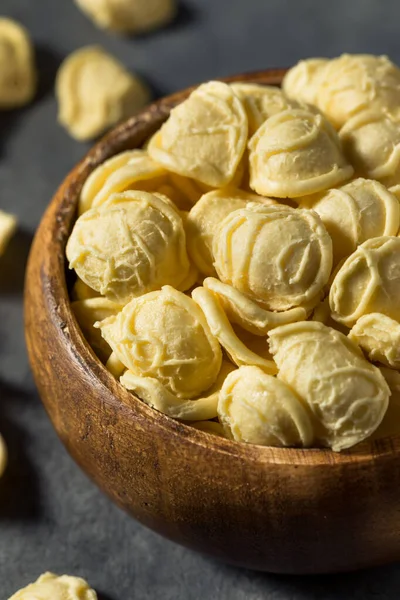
241 272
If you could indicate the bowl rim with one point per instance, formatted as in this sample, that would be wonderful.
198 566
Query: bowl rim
60 216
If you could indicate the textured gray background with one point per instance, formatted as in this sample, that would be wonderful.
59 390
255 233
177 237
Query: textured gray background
51 516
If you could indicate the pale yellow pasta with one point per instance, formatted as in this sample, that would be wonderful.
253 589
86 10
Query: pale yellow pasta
248 314
155 394
256 343
211 427
54 587
3 455
133 169
129 16
277 256
322 314
261 102
346 394
368 282
354 83
395 190
81 291
204 137
95 91
221 328
256 408
186 187
294 153
132 244
355 212
164 335
371 142
18 79
8 225
379 337
90 311
115 366
205 217
302 82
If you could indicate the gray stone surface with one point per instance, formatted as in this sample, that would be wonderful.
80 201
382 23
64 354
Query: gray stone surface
51 516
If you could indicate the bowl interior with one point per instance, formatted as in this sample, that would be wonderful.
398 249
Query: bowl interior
129 135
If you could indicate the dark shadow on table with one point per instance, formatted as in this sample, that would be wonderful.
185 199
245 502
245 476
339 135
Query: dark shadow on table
102 596
19 489
47 63
13 263
378 583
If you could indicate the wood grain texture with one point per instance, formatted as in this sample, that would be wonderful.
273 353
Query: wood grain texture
280 510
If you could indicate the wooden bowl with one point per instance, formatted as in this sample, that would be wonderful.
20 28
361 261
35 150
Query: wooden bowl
280 510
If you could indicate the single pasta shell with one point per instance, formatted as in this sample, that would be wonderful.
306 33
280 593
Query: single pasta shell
368 282
355 83
371 142
95 91
356 212
346 394
18 78
206 216
204 137
294 153
256 408
261 102
129 16
379 337
164 335
302 82
278 256
56 587
133 243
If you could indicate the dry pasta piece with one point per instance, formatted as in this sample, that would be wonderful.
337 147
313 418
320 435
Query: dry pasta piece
54 587
302 82
164 335
294 153
371 142
204 137
3 455
133 169
220 327
132 244
95 91
209 427
8 225
261 102
90 311
368 282
18 80
155 394
81 291
277 256
355 212
256 408
129 16
206 216
346 394
246 313
351 84
379 336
